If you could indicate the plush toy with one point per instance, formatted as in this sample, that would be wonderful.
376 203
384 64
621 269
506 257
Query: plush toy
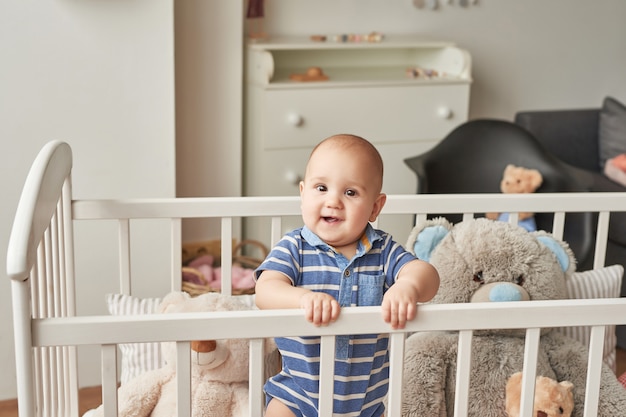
519 180
615 169
219 385
201 271
552 399
480 260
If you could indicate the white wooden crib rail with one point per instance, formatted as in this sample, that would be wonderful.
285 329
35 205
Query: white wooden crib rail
47 329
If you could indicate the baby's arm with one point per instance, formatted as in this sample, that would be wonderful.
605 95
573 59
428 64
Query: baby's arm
274 290
417 281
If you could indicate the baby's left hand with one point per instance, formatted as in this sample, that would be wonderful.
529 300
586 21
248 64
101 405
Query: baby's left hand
399 306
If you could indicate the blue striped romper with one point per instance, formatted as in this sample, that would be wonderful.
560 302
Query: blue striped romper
362 361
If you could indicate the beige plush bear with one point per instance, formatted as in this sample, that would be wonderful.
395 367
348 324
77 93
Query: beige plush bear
219 385
552 398
517 180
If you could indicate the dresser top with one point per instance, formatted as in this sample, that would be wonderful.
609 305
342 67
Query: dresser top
305 42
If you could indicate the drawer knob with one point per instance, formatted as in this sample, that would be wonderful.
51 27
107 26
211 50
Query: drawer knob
444 112
295 119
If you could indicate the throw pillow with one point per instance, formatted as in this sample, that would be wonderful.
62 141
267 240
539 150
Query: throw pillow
612 130
598 283
136 357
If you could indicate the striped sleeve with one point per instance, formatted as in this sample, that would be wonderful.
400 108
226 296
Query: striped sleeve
284 257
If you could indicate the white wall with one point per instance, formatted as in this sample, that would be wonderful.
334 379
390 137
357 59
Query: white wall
526 54
98 74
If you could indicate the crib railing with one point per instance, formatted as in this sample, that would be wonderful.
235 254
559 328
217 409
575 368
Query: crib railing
535 315
47 329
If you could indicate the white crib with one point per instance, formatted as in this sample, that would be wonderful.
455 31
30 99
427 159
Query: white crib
47 329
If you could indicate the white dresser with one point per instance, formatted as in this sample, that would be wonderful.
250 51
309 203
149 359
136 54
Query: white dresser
370 91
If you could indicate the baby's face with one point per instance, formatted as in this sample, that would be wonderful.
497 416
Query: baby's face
340 195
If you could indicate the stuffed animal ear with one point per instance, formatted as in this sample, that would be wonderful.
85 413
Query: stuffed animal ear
567 385
536 179
425 237
560 249
171 299
508 169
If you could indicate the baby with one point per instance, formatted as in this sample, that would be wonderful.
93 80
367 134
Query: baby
339 260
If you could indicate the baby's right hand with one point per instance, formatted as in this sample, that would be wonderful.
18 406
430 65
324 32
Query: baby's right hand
320 308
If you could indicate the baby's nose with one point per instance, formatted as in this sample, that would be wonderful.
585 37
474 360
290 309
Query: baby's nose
333 200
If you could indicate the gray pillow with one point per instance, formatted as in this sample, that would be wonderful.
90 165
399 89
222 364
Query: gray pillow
612 130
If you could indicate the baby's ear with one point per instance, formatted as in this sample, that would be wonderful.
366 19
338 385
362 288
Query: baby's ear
378 206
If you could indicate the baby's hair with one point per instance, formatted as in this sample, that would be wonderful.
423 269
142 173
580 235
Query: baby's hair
348 141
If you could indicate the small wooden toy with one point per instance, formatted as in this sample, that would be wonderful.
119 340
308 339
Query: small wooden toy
311 74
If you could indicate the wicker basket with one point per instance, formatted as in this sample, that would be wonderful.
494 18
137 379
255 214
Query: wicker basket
213 247
192 250
248 261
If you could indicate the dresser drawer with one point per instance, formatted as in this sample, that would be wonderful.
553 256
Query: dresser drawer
300 118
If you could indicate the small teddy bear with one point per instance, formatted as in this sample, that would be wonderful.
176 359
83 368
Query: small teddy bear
517 180
552 398
219 385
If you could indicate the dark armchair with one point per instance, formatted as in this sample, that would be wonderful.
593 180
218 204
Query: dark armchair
572 135
472 158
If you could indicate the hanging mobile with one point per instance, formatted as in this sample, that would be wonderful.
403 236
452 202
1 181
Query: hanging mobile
432 4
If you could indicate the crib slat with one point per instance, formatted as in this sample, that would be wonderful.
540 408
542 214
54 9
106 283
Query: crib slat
124 254
468 216
602 234
420 218
594 371
256 377
531 355
276 230
327 372
63 352
68 242
109 380
527 395
48 289
396 361
558 224
69 296
35 312
183 378
227 255
177 257
513 218
463 368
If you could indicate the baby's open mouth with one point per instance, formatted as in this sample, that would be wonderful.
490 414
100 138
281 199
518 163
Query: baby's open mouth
330 219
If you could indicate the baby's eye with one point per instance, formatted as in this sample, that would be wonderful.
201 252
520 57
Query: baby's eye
478 277
520 280
350 193
321 188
